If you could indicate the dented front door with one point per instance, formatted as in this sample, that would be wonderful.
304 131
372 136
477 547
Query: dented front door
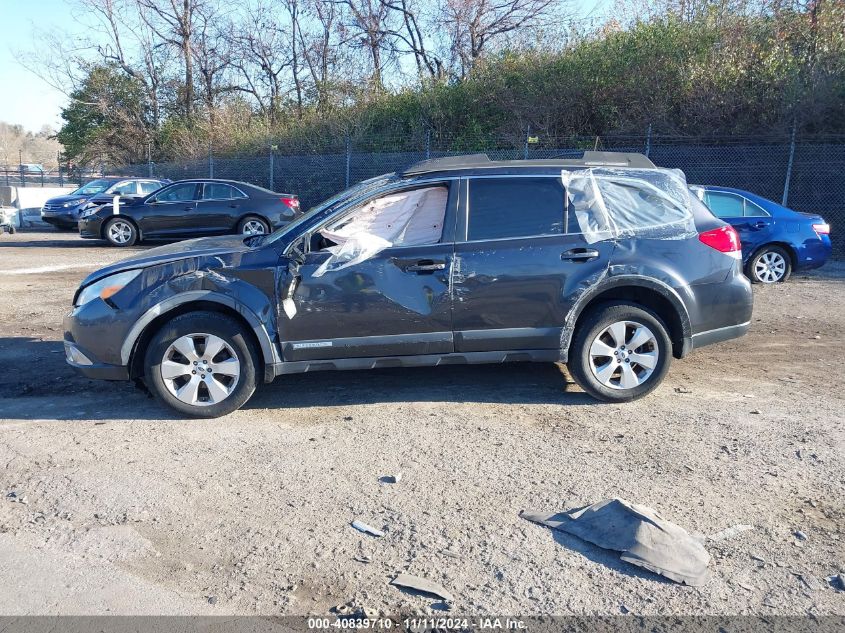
396 303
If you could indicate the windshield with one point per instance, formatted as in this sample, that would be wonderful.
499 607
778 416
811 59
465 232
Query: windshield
347 194
92 188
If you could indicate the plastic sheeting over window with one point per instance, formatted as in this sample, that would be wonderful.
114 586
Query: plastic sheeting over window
611 203
409 218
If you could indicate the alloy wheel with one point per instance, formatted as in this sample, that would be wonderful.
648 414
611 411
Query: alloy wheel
253 227
200 369
624 355
770 267
120 232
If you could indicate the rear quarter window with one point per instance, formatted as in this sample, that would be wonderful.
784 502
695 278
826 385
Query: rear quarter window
514 207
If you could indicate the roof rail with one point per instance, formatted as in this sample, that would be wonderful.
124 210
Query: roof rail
615 159
482 161
446 163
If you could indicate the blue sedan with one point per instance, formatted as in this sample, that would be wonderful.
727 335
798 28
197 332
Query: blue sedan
775 240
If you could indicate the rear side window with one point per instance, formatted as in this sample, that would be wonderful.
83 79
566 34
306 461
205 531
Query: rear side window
515 207
220 191
148 186
724 205
754 210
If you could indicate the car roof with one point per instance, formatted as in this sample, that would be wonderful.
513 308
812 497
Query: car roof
477 162
221 180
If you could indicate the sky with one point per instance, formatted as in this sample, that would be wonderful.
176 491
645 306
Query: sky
29 101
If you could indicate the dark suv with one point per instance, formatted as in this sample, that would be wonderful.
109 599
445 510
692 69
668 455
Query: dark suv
604 263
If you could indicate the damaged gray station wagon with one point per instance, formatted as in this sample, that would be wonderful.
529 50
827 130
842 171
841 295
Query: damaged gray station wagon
605 263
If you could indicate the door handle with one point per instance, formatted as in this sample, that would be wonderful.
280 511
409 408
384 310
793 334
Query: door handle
579 254
760 225
425 266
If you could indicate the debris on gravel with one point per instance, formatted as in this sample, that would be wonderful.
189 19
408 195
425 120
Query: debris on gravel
423 585
367 529
644 537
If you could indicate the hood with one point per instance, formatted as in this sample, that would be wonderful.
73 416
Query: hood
67 198
200 247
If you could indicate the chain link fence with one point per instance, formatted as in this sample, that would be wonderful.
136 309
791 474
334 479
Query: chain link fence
61 177
806 173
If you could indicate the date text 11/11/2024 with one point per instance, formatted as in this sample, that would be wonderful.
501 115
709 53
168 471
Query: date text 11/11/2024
418 623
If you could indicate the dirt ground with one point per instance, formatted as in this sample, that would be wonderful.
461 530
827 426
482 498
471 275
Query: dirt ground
112 505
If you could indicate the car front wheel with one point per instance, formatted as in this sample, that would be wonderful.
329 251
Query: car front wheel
120 232
771 265
620 352
202 364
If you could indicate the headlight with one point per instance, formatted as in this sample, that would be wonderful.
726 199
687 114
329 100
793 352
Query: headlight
89 211
74 203
106 287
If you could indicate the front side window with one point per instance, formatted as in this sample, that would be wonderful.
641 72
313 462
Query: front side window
515 207
219 191
405 218
93 188
183 192
724 205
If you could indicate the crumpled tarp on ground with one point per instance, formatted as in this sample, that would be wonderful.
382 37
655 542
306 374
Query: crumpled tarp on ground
644 537
612 203
409 218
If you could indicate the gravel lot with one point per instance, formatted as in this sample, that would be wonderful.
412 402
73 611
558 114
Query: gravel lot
119 507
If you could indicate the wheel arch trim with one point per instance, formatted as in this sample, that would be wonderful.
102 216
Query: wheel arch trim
629 281
269 352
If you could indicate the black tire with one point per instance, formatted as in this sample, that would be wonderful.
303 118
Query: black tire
128 232
763 268
202 323
253 220
594 324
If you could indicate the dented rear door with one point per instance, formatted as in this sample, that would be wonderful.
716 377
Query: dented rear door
518 269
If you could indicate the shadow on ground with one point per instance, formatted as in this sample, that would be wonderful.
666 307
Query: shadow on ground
40 372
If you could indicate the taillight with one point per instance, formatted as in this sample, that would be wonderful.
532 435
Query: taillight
724 239
822 229
292 203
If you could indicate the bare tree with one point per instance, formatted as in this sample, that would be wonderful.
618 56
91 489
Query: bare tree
318 47
261 55
366 27
475 25
173 21
211 52
412 34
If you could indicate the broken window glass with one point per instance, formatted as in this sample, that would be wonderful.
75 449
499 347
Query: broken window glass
407 218
612 203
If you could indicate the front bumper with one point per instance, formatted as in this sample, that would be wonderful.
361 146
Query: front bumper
82 361
61 219
90 227
96 326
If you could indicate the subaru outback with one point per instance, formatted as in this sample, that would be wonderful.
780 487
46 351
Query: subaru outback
605 263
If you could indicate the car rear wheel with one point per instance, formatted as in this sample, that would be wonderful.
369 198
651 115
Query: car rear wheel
120 232
253 225
620 352
771 265
202 364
